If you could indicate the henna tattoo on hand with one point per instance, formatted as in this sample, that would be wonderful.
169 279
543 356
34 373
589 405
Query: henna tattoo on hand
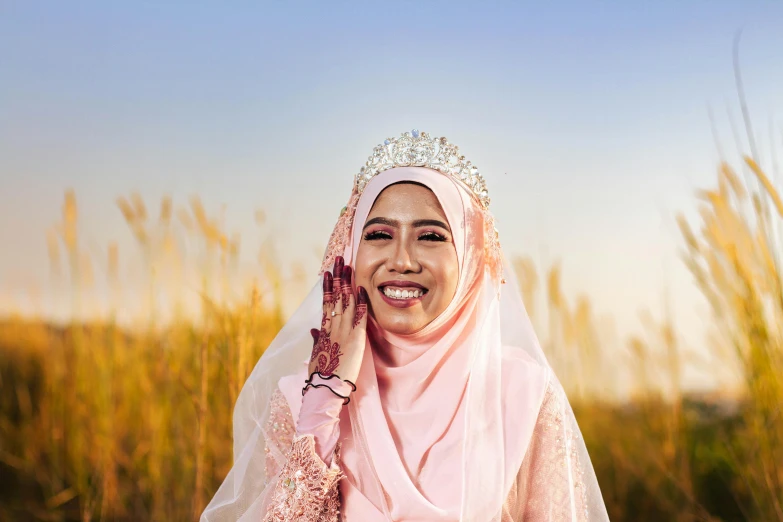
361 306
316 335
338 276
360 311
328 288
345 288
326 354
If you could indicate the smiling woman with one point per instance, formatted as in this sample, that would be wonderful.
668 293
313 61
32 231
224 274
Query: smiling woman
407 258
426 395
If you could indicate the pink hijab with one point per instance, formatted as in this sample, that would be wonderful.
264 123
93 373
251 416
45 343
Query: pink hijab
408 407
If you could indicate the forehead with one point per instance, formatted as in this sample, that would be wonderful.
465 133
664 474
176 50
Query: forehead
407 200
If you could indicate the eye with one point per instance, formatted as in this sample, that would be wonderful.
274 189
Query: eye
376 234
431 236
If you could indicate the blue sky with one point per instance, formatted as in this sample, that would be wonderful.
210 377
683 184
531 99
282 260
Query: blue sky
589 120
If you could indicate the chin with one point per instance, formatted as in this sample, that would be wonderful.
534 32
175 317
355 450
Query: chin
402 329
401 325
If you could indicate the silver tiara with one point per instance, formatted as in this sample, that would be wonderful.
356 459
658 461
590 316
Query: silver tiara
418 149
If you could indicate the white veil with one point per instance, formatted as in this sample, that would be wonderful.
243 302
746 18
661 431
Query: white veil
524 457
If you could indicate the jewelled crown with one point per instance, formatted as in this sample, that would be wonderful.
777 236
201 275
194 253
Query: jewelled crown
419 149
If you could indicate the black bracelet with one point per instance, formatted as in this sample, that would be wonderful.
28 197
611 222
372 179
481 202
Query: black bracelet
345 399
330 376
309 384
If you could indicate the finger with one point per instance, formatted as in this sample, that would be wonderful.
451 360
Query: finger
346 288
349 301
316 335
360 318
328 304
337 293
339 263
314 354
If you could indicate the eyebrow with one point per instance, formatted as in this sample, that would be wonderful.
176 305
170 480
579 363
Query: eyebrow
416 224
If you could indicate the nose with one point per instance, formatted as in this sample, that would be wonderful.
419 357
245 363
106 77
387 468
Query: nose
402 259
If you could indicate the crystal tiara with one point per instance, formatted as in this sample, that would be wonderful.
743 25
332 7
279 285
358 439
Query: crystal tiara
418 149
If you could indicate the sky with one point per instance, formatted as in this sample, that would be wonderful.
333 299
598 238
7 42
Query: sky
589 120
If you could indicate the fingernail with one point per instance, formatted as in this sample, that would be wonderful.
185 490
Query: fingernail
339 262
315 333
347 273
363 297
328 282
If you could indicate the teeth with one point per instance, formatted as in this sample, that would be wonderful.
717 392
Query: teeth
397 293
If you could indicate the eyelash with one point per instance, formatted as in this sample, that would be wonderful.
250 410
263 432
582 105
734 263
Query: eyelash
432 236
380 234
377 234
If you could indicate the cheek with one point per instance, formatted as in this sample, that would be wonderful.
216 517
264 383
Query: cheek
363 266
445 269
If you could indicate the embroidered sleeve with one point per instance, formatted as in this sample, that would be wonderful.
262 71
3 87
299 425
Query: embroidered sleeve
550 484
279 434
307 489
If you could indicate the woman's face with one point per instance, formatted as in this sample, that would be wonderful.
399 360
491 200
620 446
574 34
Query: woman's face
406 259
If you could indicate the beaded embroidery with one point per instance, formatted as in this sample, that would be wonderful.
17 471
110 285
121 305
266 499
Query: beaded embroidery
552 462
307 490
341 233
279 433
493 255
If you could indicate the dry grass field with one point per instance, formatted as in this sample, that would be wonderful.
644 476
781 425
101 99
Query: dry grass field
102 421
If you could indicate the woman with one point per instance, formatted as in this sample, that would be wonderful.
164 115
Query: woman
424 394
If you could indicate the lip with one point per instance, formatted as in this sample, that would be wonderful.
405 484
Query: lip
401 284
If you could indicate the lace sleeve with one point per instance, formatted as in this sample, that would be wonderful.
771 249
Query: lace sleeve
306 490
551 483
279 434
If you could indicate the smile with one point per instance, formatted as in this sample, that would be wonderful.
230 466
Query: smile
402 293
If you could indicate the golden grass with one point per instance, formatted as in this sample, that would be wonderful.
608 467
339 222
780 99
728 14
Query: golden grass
104 422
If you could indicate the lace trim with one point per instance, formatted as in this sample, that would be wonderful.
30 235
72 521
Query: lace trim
493 255
279 434
340 235
307 490
554 484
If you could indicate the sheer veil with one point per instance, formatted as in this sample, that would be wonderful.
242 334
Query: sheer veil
510 387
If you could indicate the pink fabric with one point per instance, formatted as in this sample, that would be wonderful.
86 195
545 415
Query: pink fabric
403 434
410 392
319 417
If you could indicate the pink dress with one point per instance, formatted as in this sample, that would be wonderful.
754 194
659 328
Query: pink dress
308 489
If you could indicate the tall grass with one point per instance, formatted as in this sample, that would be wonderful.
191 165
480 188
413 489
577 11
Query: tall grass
110 420
735 259
103 422
667 453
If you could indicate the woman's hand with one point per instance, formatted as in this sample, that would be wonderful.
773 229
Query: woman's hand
338 347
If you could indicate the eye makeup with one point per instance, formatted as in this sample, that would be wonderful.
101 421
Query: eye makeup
377 234
431 235
387 227
428 235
